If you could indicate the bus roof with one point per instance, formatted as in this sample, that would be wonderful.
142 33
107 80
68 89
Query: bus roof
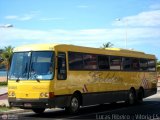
35 47
65 47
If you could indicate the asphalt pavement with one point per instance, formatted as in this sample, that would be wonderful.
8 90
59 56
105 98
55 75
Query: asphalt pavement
3 96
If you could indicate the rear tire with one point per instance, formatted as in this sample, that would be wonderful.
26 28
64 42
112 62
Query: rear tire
38 110
140 95
131 97
74 105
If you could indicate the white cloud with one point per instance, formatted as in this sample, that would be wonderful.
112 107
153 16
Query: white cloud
147 18
147 38
19 18
33 14
24 17
83 37
11 17
143 30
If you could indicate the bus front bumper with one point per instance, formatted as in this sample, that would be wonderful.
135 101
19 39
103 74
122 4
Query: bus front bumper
39 103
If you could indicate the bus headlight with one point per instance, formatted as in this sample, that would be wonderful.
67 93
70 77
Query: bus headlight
44 95
47 95
11 94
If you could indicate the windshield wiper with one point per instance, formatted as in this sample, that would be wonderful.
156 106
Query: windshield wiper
35 77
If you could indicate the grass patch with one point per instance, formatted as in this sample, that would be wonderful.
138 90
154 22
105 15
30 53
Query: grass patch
3 83
3 109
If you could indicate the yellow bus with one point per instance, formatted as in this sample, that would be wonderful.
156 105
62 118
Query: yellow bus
67 76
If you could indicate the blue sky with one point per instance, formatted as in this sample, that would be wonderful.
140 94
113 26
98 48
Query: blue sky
82 22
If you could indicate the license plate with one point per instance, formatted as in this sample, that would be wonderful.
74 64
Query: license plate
27 105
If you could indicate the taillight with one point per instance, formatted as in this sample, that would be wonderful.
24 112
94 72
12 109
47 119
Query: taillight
51 94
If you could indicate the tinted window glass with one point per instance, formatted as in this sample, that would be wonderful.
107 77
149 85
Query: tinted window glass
62 71
115 63
20 65
143 64
135 64
151 65
90 61
41 65
32 65
126 63
103 62
75 60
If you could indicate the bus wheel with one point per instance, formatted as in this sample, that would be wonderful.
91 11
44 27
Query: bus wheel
131 97
74 105
140 95
38 110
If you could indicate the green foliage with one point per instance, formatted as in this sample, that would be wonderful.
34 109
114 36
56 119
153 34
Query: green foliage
3 83
107 45
158 63
4 108
6 56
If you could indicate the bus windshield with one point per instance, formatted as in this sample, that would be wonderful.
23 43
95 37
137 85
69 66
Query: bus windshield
32 65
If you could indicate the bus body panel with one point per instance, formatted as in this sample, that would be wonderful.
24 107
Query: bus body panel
95 86
29 89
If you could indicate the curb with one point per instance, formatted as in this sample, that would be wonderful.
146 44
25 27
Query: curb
3 94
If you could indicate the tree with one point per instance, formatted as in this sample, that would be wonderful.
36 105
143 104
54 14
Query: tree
6 56
107 45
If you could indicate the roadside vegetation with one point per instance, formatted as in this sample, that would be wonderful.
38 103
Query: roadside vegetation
6 56
3 84
107 45
5 60
4 108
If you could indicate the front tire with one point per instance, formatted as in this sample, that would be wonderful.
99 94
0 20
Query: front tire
74 105
38 110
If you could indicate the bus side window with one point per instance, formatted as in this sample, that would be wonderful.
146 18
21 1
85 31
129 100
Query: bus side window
62 71
135 64
126 63
103 62
152 65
